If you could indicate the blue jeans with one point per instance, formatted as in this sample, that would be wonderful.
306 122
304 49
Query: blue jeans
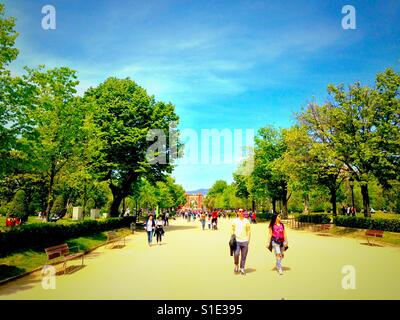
241 249
150 236
279 248
203 223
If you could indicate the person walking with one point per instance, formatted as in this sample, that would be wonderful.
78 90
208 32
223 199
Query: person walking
254 217
203 220
214 220
150 227
159 230
166 218
241 231
277 240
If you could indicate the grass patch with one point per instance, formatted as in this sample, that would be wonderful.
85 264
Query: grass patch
389 238
25 261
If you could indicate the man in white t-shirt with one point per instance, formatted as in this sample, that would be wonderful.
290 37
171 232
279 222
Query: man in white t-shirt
241 230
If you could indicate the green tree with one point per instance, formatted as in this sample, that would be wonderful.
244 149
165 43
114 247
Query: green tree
58 205
359 128
125 114
19 206
55 119
8 115
269 149
309 160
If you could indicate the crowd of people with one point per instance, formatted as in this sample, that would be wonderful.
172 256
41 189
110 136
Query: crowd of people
210 218
240 232
348 211
12 221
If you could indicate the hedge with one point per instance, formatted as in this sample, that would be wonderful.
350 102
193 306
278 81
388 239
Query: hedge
265 216
42 235
391 225
314 218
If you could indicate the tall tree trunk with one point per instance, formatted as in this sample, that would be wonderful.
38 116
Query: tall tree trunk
333 200
253 205
120 192
117 199
50 199
274 205
365 196
306 199
285 211
84 198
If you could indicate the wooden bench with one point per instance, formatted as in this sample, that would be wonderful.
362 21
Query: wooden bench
373 233
322 227
113 238
62 252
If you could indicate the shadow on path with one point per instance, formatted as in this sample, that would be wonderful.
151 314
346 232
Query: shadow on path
174 228
250 270
13 287
70 270
283 268
371 244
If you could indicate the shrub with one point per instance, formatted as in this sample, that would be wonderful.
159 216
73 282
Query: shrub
19 207
391 225
314 218
42 235
3 211
264 216
58 205
90 205
298 208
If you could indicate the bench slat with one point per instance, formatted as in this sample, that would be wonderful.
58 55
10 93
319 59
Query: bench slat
57 248
374 233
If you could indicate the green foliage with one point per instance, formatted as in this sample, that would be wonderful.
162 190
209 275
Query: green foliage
268 172
125 114
224 196
314 218
41 235
19 207
90 205
8 123
217 188
8 36
265 216
58 205
391 225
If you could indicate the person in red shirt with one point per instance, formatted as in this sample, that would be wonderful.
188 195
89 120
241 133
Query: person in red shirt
17 221
214 220
254 217
10 222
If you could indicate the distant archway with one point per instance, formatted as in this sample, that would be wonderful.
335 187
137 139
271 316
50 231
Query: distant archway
194 201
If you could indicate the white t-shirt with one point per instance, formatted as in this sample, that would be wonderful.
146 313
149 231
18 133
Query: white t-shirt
240 229
159 223
149 226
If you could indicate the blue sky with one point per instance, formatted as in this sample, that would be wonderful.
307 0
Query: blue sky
224 64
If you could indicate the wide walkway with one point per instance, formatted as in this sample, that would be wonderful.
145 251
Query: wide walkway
196 264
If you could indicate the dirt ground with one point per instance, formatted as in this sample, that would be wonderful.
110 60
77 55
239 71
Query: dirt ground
195 264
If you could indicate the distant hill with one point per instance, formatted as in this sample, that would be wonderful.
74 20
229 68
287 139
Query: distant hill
202 191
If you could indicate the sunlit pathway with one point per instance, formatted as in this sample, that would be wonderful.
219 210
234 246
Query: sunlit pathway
196 264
